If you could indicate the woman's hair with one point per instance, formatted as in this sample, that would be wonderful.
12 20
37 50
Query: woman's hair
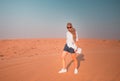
73 31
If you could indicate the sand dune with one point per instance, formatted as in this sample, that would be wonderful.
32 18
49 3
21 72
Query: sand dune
39 60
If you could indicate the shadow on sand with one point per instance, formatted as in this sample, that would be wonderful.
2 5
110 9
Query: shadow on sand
80 58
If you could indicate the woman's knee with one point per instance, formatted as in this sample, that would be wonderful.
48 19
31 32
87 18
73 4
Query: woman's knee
74 57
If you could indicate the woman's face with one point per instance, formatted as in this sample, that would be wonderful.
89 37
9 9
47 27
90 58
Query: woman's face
69 27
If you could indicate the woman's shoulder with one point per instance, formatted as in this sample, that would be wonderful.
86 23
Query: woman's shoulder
67 32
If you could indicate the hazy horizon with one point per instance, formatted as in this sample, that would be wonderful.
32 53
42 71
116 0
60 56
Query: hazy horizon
97 19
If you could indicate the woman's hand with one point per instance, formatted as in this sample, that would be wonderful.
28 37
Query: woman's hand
76 50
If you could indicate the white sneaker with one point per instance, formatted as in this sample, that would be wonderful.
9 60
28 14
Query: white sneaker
62 71
76 71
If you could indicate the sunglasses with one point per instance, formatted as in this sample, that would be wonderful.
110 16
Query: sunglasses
69 27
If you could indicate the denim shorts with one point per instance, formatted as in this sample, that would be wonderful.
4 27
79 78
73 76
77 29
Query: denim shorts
68 49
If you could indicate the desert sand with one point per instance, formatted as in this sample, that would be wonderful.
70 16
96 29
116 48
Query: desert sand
39 60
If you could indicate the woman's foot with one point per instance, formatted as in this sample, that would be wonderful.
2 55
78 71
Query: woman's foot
62 71
76 71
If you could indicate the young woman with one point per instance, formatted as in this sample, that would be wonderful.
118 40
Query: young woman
70 48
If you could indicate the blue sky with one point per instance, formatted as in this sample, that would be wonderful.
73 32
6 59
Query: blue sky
47 18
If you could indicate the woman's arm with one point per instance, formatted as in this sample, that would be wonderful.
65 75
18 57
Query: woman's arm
77 43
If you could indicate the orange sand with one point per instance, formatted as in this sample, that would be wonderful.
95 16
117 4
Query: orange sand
39 60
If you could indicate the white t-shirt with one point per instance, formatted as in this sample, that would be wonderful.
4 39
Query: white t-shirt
70 42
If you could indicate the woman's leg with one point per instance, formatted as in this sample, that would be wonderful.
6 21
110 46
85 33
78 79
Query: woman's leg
75 60
63 70
75 63
63 59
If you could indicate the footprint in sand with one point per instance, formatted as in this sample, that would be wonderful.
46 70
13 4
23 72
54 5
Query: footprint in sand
1 56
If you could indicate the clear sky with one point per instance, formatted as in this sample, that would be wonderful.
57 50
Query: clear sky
48 18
